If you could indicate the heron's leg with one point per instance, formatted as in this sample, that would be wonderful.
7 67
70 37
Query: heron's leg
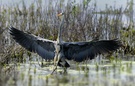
42 63
56 60
65 70
54 69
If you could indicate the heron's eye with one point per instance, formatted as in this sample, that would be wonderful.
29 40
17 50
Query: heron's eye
62 13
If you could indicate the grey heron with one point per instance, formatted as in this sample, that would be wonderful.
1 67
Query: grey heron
60 51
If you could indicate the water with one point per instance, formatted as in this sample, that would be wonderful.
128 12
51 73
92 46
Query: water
105 74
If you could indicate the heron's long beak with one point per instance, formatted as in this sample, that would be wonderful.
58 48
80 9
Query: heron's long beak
60 14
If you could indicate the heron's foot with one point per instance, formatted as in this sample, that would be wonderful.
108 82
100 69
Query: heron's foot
54 70
64 71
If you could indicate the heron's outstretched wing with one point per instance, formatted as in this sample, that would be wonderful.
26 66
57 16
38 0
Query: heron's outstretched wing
80 51
45 48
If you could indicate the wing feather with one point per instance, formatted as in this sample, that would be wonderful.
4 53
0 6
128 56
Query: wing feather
80 51
45 48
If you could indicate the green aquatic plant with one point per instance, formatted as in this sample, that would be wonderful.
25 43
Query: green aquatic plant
97 67
34 70
22 76
122 68
11 81
129 67
29 53
30 80
47 79
112 59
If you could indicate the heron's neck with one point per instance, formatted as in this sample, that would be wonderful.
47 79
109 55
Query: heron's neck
59 39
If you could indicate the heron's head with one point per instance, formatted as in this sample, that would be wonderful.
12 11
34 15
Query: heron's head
60 15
